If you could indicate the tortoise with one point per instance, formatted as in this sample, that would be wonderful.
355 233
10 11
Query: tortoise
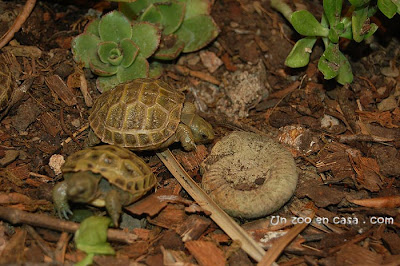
6 87
147 114
105 175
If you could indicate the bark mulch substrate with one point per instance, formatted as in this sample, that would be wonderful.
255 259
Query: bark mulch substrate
345 141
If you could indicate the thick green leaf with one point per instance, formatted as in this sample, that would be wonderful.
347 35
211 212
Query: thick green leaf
329 63
372 10
147 37
88 260
134 9
333 35
156 69
93 27
300 54
129 50
347 33
197 7
139 69
169 15
282 8
359 19
91 237
197 32
114 26
104 84
345 74
397 3
101 69
84 47
109 52
151 14
306 24
333 9
358 3
168 52
387 7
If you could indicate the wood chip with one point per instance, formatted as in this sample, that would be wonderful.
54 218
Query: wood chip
9 157
355 255
321 195
228 63
206 253
381 202
392 240
50 123
193 227
197 74
58 86
171 217
155 202
191 160
24 50
13 252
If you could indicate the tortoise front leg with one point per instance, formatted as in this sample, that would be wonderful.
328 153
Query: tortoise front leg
114 206
185 136
60 200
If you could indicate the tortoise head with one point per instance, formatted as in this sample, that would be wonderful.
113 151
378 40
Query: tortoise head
202 130
82 186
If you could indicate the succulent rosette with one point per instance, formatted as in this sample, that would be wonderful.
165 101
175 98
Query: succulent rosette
115 49
186 24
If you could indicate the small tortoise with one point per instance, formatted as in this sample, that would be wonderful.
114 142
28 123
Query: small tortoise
106 175
6 87
147 114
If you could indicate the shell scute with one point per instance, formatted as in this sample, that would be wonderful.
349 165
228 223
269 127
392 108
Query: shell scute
141 114
118 165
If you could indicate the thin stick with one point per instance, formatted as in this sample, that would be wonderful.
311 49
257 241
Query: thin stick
16 216
231 228
22 17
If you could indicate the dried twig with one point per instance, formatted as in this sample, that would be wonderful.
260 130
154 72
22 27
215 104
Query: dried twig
40 242
16 216
362 137
22 17
65 129
231 228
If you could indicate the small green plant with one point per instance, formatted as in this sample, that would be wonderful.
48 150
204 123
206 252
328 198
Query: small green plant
115 49
186 24
91 237
333 64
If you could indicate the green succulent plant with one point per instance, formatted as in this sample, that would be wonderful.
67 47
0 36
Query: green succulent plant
186 24
116 50
91 238
333 64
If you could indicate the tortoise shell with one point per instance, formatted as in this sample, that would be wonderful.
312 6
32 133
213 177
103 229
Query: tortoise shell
5 84
119 166
140 114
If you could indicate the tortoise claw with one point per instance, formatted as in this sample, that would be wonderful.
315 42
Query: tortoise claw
64 211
